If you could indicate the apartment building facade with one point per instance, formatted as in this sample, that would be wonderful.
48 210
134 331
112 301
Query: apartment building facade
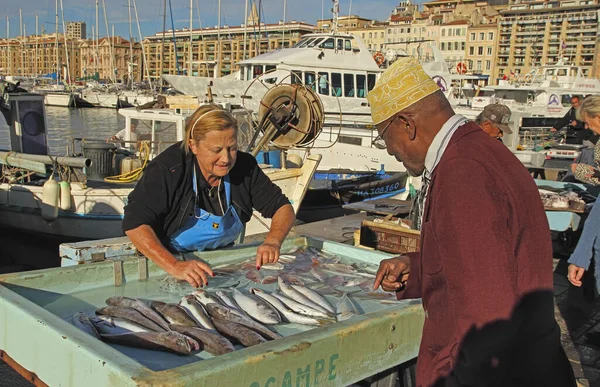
543 32
453 40
109 60
481 50
76 30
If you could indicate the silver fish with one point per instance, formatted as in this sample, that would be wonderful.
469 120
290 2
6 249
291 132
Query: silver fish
345 309
161 341
273 266
140 306
300 308
174 314
196 311
131 315
213 342
295 295
115 325
315 297
286 258
285 311
205 297
228 301
319 274
225 313
83 322
257 308
246 336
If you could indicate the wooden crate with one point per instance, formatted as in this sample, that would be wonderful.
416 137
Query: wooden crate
389 237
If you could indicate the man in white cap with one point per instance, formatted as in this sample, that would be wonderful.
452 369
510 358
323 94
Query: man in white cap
484 270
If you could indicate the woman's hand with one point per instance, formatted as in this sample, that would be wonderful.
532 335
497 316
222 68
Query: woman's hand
574 274
267 253
194 272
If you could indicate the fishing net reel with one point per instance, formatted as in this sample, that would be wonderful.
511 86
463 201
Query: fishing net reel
290 115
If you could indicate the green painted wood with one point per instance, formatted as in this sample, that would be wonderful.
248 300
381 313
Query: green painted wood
34 307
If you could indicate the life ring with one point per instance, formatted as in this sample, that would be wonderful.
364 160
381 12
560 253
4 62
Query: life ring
461 68
379 58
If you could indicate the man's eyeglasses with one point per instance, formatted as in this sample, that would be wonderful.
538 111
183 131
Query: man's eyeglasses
378 142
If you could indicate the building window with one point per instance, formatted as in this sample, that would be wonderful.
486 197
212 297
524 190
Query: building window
482 36
488 65
472 36
462 46
490 36
471 50
470 65
489 51
408 30
389 32
478 65
443 46
363 35
370 35
443 32
480 51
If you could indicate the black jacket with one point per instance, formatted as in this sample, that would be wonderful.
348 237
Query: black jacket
164 196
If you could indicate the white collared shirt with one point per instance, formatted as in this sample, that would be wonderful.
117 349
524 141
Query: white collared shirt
438 147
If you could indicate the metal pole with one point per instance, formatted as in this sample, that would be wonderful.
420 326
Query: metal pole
130 65
191 36
77 162
283 33
162 46
174 40
245 31
56 47
110 45
218 68
145 62
25 164
97 33
36 43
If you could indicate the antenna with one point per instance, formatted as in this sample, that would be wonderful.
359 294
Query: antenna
336 13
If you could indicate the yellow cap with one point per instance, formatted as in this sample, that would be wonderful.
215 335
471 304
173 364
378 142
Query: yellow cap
400 86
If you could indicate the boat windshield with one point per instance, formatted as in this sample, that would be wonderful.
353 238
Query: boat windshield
314 43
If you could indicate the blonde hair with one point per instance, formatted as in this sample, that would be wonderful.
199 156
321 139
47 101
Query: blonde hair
206 119
589 107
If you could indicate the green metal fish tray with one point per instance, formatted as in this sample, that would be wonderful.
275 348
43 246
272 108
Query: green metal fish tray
37 338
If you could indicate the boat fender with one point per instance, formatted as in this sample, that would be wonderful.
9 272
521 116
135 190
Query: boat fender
65 195
293 161
126 165
50 198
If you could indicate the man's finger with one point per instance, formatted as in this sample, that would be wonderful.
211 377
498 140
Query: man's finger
390 286
381 272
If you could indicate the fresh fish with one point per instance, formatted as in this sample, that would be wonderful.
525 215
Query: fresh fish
287 258
300 308
246 336
114 325
131 315
140 306
257 308
315 297
161 341
319 274
295 295
225 313
213 343
336 267
291 279
273 266
174 314
83 322
335 281
228 301
285 311
205 297
196 311
255 276
350 282
345 309
364 274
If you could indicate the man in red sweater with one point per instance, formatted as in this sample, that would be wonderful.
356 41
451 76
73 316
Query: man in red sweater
484 270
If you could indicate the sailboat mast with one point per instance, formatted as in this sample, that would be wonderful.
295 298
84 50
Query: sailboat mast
9 46
162 46
56 46
97 34
191 36
283 33
218 67
245 31
130 65
35 59
22 66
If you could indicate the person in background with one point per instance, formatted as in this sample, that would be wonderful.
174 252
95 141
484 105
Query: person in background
120 135
198 194
485 245
588 246
494 120
576 131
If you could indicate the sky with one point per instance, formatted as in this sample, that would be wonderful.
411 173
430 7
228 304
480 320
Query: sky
150 13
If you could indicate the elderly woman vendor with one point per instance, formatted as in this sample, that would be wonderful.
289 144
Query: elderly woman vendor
198 194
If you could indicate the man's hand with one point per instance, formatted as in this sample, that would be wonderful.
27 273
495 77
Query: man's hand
574 274
267 253
194 272
392 274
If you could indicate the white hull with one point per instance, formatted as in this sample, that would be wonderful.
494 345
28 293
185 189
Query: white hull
96 213
105 100
58 99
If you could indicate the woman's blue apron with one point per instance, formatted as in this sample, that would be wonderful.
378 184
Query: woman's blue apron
205 231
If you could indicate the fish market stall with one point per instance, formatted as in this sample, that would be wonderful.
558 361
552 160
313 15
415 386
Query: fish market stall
368 332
